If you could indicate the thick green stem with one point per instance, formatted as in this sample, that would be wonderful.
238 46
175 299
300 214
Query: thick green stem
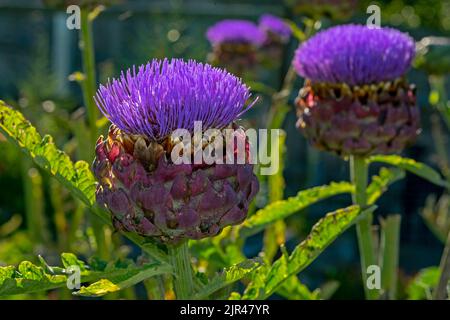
359 177
180 261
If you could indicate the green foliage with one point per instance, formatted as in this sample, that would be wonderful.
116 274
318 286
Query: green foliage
120 281
381 182
417 168
293 289
284 208
266 280
227 277
423 284
77 177
28 277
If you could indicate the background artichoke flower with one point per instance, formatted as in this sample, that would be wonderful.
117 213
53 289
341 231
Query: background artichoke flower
278 34
355 100
143 189
234 44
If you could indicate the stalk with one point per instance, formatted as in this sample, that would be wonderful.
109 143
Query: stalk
180 261
359 177
390 237
441 290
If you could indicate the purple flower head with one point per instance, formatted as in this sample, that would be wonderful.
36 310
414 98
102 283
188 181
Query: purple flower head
235 31
355 55
164 95
276 25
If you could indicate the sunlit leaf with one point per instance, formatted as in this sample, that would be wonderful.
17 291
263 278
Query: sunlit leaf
381 182
29 278
265 281
284 208
423 284
115 283
417 168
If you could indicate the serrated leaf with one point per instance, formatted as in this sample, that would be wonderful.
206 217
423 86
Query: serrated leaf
29 278
411 165
226 277
99 288
133 276
293 289
381 182
266 282
284 208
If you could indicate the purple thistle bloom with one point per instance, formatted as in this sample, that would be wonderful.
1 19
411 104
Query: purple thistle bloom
276 25
355 55
163 96
235 31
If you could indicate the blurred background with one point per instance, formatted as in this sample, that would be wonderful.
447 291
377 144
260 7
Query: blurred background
40 65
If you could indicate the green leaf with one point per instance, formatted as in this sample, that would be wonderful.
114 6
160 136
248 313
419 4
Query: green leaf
380 183
71 260
284 208
417 168
133 276
293 289
226 277
266 282
423 284
29 278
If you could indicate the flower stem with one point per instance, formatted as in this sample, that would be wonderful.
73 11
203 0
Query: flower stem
441 290
180 261
359 177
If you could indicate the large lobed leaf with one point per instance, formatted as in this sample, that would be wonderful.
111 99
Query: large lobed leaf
265 280
227 277
284 208
29 278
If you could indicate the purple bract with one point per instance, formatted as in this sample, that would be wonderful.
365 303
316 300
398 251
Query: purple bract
235 31
276 25
355 55
163 96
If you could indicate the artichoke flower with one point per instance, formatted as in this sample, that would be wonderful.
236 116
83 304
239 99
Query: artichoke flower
278 34
356 100
138 182
235 44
